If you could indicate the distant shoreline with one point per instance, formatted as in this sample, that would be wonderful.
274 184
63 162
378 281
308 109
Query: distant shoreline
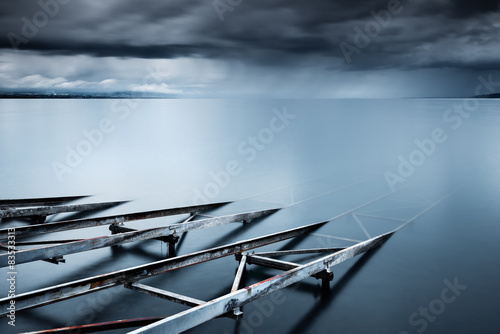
116 95
130 95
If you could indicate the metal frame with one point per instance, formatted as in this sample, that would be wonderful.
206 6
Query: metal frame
226 305
28 255
84 286
108 220
199 314
44 211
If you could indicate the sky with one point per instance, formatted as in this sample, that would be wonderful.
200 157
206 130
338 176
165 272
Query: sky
250 48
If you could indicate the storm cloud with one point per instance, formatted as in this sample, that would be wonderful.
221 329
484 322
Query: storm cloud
253 45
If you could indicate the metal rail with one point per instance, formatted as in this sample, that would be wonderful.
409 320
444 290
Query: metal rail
46 252
300 251
225 305
282 265
108 220
172 296
43 211
101 326
84 286
160 293
197 315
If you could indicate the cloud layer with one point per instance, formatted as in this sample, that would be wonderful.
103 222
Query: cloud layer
254 48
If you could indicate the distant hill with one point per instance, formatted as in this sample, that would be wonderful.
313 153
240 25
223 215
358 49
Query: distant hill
91 95
122 95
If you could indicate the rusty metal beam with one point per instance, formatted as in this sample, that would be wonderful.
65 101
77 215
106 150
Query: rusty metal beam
171 296
29 255
51 210
44 242
84 286
24 202
237 281
282 265
197 315
53 260
108 220
300 251
116 228
164 294
100 327
239 273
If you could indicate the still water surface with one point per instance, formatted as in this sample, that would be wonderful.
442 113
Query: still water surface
316 159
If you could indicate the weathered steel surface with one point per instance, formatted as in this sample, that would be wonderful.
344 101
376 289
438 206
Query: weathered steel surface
237 281
51 210
54 260
282 265
239 273
19 203
41 253
115 228
160 293
168 295
91 222
99 327
197 315
44 242
300 251
80 287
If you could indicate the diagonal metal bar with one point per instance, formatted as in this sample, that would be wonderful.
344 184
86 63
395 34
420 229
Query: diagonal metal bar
283 265
54 260
237 280
335 237
164 294
300 251
355 216
197 315
439 201
172 296
380 217
115 229
108 220
239 273
51 210
80 287
29 255
23 202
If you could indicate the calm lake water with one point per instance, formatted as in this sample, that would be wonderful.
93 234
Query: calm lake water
316 159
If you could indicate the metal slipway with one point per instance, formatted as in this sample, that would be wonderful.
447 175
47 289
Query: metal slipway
38 209
168 233
56 249
226 305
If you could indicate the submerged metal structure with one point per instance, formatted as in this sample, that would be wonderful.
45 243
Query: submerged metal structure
38 209
228 305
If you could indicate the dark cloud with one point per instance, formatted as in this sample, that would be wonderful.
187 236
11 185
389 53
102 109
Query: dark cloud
467 8
460 34
119 50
